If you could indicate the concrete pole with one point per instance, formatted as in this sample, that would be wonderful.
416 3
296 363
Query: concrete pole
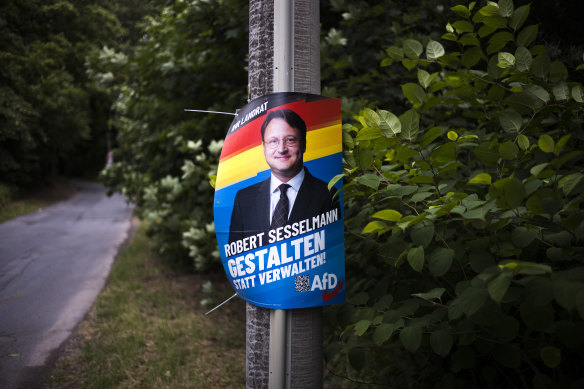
303 327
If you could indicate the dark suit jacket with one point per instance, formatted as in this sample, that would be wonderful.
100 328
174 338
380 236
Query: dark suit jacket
251 208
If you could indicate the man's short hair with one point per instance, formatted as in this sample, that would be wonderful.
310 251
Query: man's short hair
292 118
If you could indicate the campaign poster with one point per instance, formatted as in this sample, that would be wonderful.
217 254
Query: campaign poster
279 227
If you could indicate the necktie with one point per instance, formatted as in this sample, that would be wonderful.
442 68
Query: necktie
280 216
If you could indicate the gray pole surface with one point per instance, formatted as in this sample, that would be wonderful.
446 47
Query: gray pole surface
261 63
304 326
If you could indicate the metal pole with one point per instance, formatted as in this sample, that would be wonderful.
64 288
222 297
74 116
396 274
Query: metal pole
303 357
284 46
283 82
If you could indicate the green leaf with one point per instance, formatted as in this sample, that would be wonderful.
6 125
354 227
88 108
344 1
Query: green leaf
334 180
409 64
374 226
462 26
430 136
541 65
362 326
527 35
368 133
561 91
523 142
411 338
551 356
388 214
511 121
423 236
410 121
499 41
524 267
395 52
468 303
506 60
519 17
444 153
514 192
546 143
449 36
490 9
389 123
382 333
434 50
538 92
558 71
399 190
414 93
441 342
569 182
424 78
433 294
416 258
485 31
412 48
461 10
538 168
472 56
495 21
498 286
469 39
578 93
508 150
523 59
522 237
371 117
481 178
440 260
506 8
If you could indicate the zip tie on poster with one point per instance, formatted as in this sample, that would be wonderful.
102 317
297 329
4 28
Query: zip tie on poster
221 304
204 111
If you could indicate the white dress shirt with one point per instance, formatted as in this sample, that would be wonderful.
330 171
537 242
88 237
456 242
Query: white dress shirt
292 192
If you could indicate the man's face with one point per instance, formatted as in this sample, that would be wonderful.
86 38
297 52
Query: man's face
283 149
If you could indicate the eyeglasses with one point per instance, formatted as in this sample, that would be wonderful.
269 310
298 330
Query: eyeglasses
289 142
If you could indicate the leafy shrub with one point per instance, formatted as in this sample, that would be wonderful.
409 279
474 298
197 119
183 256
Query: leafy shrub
465 220
164 157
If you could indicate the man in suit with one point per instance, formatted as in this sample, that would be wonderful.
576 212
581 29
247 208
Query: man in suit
291 194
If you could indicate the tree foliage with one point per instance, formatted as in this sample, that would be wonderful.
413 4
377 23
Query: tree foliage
192 55
465 220
50 117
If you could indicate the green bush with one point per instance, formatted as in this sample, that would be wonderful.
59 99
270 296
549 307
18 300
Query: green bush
192 56
465 222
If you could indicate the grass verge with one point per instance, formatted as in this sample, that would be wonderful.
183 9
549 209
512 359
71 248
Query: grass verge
11 208
147 329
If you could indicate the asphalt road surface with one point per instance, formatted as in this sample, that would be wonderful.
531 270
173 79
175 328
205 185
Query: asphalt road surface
53 264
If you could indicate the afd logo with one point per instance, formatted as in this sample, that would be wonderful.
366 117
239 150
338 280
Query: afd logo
326 282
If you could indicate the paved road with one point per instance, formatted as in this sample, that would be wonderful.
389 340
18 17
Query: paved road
53 264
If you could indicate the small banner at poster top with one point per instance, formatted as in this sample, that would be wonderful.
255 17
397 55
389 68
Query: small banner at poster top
279 228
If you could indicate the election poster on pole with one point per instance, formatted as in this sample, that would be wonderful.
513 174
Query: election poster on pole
279 226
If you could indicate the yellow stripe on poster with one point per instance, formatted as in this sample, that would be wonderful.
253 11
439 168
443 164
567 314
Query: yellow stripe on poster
323 142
